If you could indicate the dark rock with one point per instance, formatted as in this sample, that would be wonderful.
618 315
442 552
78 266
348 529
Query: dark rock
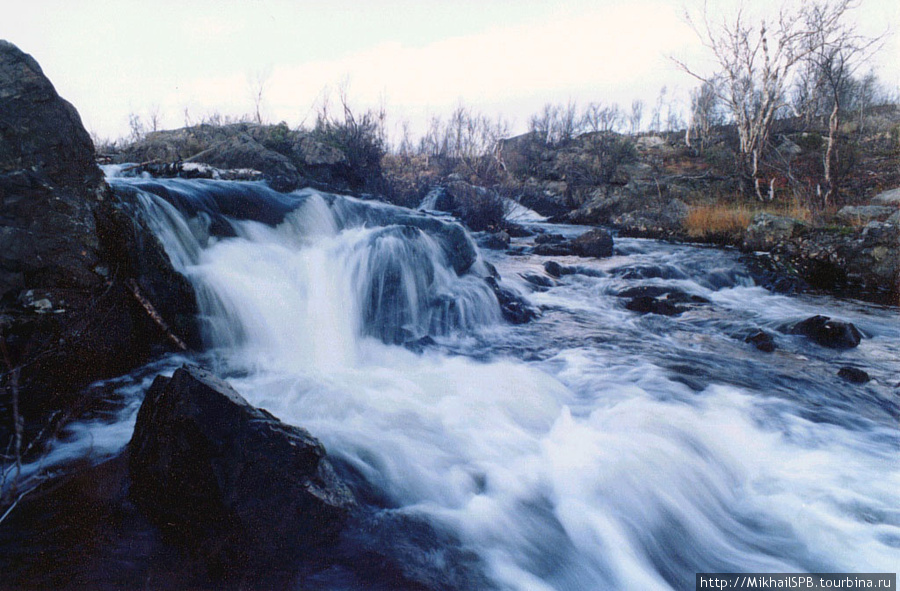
596 243
854 375
517 230
549 238
57 215
230 481
496 241
829 333
649 305
557 270
649 272
131 249
539 280
652 291
762 340
39 131
554 269
554 249
242 151
514 307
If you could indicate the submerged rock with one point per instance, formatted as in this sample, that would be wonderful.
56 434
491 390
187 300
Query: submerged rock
835 334
854 375
230 481
651 305
762 340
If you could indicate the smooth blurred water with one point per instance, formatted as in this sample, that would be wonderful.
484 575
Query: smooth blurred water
593 448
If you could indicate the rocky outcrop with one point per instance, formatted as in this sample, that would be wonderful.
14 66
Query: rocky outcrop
242 151
286 158
229 481
77 299
862 261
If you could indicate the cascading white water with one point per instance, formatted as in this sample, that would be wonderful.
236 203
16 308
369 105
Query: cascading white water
578 453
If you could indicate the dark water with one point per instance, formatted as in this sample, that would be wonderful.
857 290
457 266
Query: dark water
594 448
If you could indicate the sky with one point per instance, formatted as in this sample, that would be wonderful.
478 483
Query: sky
187 59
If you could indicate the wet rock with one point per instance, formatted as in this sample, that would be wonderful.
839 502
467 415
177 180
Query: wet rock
517 230
649 272
854 375
514 307
228 481
553 249
541 281
650 305
496 240
549 238
762 340
597 243
652 291
830 333
557 270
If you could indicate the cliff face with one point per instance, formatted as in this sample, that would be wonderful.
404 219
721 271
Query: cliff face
70 265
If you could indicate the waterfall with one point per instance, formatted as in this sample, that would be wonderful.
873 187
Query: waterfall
594 448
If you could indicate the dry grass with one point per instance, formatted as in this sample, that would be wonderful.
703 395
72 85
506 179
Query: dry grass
729 220
704 221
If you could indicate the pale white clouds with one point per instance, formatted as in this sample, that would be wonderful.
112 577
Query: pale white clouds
419 56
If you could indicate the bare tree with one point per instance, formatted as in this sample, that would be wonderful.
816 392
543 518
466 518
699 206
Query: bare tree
154 117
637 115
705 113
835 52
600 117
556 124
757 61
136 127
656 115
257 83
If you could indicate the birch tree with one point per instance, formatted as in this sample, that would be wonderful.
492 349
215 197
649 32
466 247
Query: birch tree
756 60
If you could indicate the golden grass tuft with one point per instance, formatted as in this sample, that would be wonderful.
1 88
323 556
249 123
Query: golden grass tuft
729 220
717 220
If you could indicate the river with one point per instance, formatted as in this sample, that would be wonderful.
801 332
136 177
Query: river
592 448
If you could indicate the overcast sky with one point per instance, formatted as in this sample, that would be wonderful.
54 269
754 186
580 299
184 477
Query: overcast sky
420 57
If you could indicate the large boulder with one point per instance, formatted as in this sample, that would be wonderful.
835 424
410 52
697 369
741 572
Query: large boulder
228 480
48 182
75 303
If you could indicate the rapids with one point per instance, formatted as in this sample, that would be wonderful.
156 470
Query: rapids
593 448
